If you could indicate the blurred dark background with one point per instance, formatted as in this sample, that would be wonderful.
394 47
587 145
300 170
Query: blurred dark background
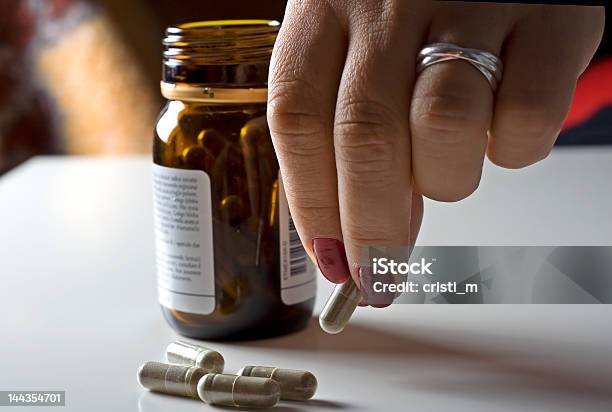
82 76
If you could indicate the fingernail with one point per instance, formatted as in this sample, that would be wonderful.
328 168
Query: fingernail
331 259
371 297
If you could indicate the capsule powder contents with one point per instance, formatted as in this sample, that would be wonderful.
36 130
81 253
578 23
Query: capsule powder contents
241 391
340 307
186 353
295 385
171 379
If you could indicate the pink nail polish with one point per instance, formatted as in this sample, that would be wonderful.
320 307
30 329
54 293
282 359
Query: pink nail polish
331 259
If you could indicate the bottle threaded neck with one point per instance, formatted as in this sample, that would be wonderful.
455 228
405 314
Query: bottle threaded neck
222 53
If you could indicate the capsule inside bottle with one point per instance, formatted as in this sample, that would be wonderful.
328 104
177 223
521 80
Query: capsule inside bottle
186 353
240 391
295 385
340 307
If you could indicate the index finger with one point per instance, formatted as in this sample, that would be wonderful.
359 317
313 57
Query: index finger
301 100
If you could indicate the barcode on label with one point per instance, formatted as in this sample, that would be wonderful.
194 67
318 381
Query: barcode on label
297 254
298 277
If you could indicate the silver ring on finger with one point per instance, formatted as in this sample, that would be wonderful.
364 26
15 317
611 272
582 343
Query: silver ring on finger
488 64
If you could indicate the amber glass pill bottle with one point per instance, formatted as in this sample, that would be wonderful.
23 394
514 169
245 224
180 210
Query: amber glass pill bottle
229 262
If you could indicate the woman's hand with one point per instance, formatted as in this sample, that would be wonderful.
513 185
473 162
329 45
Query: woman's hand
359 134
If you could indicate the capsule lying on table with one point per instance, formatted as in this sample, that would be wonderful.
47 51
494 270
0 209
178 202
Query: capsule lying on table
186 353
177 380
295 385
241 391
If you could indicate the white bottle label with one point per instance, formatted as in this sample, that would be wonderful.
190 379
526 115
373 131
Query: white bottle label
298 273
184 239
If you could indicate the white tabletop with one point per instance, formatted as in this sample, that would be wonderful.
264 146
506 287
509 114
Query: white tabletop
78 305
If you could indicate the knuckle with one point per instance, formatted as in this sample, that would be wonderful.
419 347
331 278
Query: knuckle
298 144
289 111
308 195
368 157
293 124
388 227
366 139
356 115
445 117
365 236
312 210
286 123
315 215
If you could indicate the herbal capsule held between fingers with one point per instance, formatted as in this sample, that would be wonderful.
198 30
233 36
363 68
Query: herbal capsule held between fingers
186 353
340 307
170 379
295 385
243 391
